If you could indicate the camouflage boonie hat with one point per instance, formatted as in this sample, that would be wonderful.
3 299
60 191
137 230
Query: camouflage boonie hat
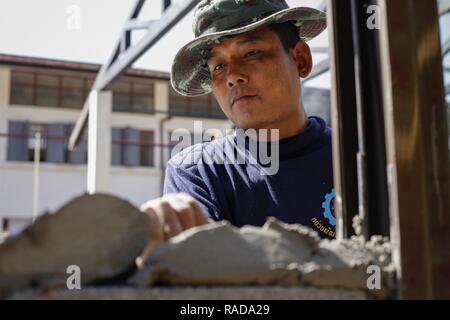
215 19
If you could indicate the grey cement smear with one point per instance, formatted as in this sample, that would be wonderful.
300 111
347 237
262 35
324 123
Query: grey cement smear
277 253
101 234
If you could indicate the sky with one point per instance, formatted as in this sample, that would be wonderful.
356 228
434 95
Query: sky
45 28
51 29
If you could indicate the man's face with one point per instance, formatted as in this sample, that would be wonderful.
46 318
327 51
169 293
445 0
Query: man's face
256 82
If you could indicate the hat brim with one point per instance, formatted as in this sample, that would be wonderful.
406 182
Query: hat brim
190 77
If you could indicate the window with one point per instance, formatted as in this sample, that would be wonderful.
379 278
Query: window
201 106
132 147
73 92
204 106
142 97
49 89
35 128
70 90
122 96
53 143
178 104
79 154
17 149
133 96
216 111
147 149
22 88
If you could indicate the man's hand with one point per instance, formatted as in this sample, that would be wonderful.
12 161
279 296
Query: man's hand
171 215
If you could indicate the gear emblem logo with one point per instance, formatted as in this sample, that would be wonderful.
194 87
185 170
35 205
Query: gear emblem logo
328 207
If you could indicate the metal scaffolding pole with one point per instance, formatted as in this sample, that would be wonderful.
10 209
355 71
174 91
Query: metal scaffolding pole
343 116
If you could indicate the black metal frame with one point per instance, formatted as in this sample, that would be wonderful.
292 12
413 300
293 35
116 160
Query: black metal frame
343 116
372 179
360 180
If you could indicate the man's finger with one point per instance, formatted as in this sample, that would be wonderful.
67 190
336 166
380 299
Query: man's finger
185 212
169 219
156 231
156 235
199 216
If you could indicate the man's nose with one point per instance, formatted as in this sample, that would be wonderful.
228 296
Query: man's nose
235 76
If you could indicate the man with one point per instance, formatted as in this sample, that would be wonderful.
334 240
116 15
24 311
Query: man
251 55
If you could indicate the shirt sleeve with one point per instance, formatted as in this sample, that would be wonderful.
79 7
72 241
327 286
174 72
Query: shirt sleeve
188 179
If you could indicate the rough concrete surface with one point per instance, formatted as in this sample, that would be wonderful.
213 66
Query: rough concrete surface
195 293
101 234
277 253
105 236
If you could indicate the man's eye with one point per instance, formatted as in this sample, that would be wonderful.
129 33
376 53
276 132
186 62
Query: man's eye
218 67
252 53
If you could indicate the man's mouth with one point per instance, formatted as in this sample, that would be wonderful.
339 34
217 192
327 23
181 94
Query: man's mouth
241 99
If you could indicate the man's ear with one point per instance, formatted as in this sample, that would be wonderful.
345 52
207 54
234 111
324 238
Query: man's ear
303 58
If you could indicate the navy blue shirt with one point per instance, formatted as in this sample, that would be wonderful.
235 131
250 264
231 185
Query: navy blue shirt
300 192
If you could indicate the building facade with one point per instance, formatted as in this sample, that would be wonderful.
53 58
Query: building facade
46 96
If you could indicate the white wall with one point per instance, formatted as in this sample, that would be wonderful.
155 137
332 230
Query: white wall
137 185
60 182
